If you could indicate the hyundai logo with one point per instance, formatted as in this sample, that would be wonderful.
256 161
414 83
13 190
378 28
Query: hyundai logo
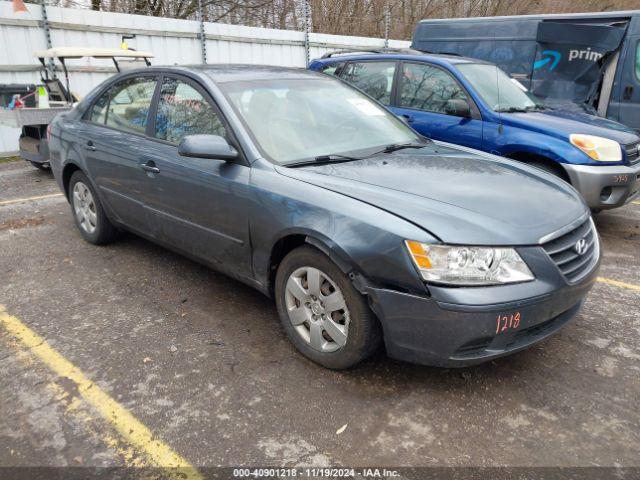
581 246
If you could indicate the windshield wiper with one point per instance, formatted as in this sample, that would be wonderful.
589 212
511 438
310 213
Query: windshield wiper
336 158
399 146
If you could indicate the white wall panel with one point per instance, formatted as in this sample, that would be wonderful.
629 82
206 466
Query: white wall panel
172 41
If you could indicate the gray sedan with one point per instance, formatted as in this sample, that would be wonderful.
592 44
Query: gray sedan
306 189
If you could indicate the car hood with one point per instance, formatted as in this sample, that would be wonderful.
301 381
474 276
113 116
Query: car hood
562 123
455 194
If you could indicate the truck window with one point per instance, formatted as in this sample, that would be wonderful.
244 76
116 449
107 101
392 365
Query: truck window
373 78
426 87
638 61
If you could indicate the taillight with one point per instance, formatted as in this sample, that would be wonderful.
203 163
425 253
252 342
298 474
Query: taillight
49 133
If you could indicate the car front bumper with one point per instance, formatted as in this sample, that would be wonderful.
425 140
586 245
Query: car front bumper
424 330
605 187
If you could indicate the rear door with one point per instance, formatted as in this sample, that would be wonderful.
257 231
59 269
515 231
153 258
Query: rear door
197 205
422 92
626 101
113 137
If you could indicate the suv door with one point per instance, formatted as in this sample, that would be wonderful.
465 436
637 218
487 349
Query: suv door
113 133
198 205
627 102
423 91
375 78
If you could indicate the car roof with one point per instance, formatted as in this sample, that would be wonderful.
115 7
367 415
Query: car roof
437 58
221 73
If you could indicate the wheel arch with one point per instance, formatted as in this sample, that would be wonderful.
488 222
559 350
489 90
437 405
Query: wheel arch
290 240
534 158
67 172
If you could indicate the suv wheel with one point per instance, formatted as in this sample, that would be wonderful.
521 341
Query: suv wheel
324 316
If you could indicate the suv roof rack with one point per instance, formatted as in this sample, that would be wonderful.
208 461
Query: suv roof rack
369 50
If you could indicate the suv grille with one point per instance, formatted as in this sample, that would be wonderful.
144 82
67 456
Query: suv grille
564 252
633 156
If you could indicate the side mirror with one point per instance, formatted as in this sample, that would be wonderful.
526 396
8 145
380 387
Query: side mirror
207 146
458 108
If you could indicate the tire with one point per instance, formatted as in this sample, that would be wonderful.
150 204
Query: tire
41 166
88 214
347 336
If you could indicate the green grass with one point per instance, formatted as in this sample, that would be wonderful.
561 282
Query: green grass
9 159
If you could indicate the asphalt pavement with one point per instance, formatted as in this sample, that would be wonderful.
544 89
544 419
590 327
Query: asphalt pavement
131 355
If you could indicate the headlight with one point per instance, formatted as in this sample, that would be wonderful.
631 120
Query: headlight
471 266
598 148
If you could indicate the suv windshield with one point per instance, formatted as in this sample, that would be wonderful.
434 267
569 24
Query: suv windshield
297 119
498 90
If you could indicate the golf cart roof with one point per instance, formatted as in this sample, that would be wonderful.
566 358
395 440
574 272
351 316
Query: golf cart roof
79 52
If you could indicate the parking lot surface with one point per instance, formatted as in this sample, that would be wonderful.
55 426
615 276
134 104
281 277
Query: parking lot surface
200 361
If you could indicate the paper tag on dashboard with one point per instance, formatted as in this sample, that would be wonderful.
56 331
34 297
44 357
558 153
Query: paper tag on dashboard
365 106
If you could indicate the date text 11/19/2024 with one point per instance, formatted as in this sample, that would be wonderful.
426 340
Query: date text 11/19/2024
315 473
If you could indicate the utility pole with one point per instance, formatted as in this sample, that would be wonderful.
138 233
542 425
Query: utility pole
202 35
307 29
387 22
47 36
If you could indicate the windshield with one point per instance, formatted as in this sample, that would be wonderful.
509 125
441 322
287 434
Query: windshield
497 89
297 119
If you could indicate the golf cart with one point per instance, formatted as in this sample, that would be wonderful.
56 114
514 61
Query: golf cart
32 107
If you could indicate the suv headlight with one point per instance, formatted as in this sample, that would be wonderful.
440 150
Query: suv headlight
598 148
470 266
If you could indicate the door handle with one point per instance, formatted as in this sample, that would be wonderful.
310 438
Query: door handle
90 146
408 118
627 92
149 165
150 168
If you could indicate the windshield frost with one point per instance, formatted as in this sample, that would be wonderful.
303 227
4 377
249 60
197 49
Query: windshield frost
497 89
298 119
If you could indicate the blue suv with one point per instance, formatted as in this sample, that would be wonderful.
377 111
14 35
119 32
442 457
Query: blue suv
475 104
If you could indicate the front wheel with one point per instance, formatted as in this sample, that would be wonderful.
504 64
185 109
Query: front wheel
324 316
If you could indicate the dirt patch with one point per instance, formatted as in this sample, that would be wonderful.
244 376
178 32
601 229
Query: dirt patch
15 224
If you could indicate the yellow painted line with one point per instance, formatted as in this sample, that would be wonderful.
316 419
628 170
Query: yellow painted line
617 283
30 199
636 203
130 428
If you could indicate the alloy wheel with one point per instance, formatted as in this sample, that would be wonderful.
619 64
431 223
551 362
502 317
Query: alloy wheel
84 208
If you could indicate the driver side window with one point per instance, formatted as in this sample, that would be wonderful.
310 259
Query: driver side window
182 111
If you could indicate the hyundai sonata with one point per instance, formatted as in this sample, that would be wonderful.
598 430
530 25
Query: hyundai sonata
308 190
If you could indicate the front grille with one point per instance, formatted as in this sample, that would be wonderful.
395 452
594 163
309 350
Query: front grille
633 156
563 251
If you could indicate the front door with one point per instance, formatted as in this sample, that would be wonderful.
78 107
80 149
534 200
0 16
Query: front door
113 131
422 93
198 205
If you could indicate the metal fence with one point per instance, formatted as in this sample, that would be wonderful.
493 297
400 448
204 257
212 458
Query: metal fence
172 41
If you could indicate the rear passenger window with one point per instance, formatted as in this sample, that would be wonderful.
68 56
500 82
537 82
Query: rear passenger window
99 110
425 87
130 102
373 78
182 111
333 69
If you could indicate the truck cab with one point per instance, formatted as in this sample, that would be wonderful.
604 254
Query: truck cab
475 104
